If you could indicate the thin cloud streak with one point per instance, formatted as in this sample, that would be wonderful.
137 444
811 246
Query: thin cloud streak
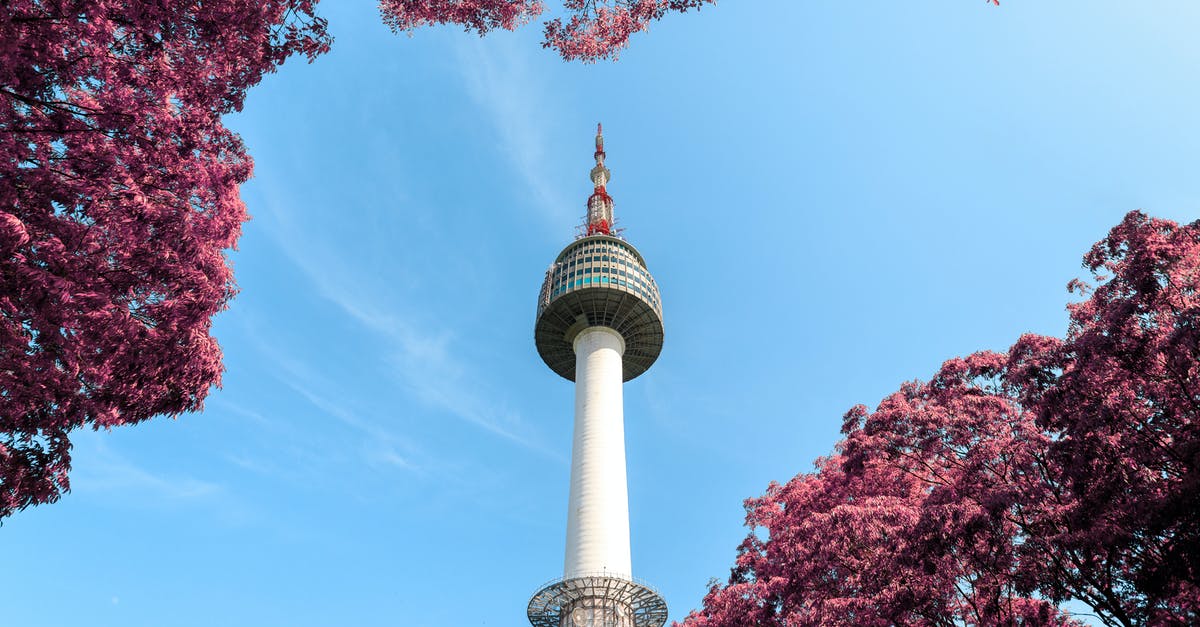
499 80
105 474
105 470
379 442
304 452
420 355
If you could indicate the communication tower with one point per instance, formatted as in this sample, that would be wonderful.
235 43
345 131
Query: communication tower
599 324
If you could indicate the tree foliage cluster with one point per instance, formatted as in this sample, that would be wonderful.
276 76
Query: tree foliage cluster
118 197
597 29
1009 482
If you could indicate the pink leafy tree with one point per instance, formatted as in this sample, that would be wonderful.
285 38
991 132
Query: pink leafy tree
589 31
1120 398
118 198
596 29
1008 483
909 523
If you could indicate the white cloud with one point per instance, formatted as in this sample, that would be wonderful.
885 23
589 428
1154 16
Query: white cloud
384 454
420 352
215 401
101 470
500 80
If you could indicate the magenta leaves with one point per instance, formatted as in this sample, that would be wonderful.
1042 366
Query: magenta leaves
591 31
480 16
118 198
1064 469
596 29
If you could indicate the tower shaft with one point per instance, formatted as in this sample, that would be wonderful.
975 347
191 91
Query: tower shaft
598 509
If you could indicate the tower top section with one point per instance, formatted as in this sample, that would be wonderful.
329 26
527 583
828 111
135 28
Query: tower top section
599 280
600 204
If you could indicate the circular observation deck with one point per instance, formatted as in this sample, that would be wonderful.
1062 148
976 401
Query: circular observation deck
599 280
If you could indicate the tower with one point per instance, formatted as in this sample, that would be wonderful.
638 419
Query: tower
599 324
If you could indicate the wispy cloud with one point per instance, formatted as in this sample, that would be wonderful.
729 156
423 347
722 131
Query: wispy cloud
381 445
105 470
420 352
385 454
102 472
233 408
298 456
500 80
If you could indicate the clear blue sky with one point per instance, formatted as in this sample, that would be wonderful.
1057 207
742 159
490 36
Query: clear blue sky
835 197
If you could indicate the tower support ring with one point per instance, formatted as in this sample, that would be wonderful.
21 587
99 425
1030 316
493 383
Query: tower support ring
599 599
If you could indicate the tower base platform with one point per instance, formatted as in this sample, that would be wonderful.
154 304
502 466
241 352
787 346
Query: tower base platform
601 600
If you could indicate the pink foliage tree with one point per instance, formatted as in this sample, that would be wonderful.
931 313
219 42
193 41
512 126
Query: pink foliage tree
596 29
118 197
1120 396
1009 483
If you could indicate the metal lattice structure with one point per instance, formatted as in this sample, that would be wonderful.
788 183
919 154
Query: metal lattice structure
597 601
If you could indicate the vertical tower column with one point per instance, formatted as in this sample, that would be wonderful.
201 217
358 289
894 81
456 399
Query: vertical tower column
598 510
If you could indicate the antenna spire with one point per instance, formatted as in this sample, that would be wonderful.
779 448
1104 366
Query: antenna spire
600 204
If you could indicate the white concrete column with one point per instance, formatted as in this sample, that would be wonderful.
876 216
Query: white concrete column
598 514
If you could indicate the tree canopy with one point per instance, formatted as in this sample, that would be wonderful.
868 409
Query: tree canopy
596 29
118 196
1009 483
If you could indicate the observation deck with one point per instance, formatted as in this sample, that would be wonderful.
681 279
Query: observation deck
599 280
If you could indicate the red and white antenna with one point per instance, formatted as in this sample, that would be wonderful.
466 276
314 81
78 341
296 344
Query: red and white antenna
600 205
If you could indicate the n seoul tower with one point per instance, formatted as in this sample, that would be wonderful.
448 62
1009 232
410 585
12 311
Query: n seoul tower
599 324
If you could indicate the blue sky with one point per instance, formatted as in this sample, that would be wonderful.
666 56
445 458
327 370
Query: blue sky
834 198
